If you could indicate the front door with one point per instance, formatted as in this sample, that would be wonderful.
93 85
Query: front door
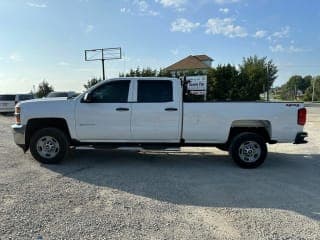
107 117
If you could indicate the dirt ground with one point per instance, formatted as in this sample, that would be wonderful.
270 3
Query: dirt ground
198 193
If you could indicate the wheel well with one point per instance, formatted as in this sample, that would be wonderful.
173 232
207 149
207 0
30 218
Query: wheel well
234 131
36 124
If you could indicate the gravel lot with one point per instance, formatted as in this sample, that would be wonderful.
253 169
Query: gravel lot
197 193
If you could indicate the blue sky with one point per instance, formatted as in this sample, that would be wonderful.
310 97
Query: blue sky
45 39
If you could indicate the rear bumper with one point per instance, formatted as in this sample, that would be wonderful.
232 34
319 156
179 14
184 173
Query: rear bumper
300 138
6 110
19 135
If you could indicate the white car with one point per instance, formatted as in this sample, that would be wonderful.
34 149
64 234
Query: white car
7 103
151 113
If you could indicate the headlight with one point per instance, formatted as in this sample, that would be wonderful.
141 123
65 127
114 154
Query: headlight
17 115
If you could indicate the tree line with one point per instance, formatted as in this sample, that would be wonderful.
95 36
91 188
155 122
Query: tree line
227 82
300 88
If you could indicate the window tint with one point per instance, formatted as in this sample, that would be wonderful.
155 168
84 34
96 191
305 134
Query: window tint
7 97
112 92
155 91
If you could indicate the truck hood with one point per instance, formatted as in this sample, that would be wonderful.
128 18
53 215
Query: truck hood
44 100
47 108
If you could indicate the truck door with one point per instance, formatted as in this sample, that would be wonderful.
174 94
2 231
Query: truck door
156 113
107 116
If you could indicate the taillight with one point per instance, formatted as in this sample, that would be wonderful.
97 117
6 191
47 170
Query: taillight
302 116
17 115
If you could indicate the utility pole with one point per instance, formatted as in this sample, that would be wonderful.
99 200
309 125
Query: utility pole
267 83
103 71
314 88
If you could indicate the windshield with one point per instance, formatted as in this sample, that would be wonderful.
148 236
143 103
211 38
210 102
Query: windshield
25 97
7 97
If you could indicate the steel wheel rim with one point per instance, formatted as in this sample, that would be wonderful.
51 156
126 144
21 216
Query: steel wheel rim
250 151
48 147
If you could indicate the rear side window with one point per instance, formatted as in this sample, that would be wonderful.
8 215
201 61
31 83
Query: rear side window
155 91
7 97
112 92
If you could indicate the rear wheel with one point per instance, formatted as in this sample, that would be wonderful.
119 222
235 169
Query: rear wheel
248 150
49 145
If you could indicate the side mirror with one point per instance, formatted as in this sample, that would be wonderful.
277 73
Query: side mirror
87 98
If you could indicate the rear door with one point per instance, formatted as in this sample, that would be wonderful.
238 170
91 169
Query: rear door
156 113
107 117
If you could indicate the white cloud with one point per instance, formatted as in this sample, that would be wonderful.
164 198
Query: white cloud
260 34
291 49
15 57
226 1
283 33
175 52
64 64
89 28
37 5
226 27
125 10
144 8
183 25
172 3
277 48
224 10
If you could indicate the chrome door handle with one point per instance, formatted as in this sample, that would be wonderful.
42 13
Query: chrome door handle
171 109
122 109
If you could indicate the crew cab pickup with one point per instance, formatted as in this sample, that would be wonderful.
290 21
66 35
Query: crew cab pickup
151 113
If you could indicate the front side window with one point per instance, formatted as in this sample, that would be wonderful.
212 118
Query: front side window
111 92
155 91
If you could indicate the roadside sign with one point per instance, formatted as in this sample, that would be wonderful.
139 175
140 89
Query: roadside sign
197 85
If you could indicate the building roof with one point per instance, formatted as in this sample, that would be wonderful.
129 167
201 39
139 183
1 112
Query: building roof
203 58
190 62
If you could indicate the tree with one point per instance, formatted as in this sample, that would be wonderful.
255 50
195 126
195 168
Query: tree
308 93
92 82
43 89
256 76
289 90
164 73
145 72
222 83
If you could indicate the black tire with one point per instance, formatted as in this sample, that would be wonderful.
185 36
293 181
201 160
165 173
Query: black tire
59 138
242 156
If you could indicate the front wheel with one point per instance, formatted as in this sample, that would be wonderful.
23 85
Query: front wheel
49 145
248 150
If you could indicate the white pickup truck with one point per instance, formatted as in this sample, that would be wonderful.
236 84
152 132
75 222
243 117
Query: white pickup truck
150 113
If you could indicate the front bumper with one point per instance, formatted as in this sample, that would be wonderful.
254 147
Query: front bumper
19 135
300 138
